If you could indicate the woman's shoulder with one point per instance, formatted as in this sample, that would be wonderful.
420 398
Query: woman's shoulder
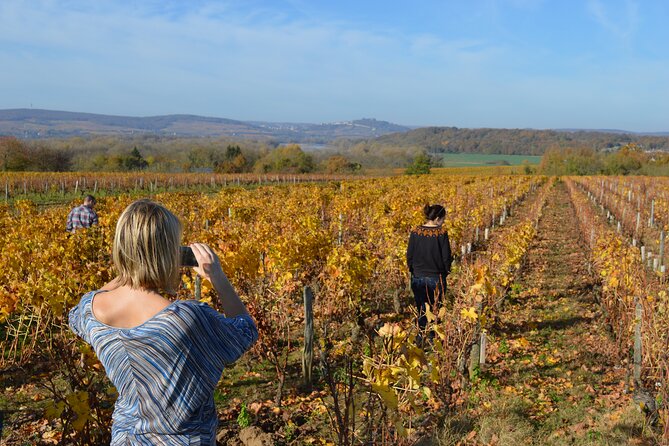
210 320
193 307
196 306
191 304
86 300
201 308
80 317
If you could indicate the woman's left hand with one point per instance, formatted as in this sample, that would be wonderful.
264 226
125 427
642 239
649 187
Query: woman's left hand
209 266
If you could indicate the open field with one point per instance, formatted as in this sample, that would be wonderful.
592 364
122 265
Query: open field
480 159
535 340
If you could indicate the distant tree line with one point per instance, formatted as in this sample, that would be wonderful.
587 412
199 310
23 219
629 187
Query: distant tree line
116 154
630 159
162 154
437 140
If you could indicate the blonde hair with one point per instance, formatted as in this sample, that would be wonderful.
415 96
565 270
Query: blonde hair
146 247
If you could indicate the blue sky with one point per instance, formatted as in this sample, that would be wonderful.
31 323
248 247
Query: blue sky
478 63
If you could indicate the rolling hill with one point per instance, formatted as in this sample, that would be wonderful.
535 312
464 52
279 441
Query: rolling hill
362 135
35 123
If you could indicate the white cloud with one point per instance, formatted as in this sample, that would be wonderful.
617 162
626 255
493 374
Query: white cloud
212 39
622 25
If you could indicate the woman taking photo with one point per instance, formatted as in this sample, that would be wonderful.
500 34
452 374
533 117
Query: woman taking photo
429 260
165 358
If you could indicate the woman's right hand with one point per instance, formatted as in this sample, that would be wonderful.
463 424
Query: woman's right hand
209 266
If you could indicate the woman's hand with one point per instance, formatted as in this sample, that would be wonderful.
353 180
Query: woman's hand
209 267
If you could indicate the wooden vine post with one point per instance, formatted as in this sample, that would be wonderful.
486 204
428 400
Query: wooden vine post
651 220
483 343
340 236
477 351
637 342
198 287
308 351
662 236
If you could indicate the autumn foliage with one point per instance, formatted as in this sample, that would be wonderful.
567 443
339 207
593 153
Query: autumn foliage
347 240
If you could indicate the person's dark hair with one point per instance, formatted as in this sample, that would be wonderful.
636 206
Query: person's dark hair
89 199
432 212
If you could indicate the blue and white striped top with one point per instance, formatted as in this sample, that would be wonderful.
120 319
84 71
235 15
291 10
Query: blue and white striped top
166 369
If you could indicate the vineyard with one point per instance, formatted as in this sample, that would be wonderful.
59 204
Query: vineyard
55 186
332 251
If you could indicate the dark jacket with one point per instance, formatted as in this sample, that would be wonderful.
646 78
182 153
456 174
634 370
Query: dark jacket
429 252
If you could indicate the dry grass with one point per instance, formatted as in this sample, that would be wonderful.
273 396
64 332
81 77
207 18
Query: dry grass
508 424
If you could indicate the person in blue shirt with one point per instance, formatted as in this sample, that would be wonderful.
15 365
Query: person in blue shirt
164 357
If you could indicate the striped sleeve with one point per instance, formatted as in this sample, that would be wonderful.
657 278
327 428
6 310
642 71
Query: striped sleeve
230 337
77 319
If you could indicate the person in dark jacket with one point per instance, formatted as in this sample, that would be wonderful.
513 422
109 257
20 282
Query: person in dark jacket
429 260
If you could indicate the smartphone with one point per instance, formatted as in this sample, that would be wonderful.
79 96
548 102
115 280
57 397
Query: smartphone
188 257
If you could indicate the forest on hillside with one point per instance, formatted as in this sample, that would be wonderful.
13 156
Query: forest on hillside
436 140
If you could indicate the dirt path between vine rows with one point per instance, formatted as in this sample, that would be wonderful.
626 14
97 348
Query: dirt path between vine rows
552 376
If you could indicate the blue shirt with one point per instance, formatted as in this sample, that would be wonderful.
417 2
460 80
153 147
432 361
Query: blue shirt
166 369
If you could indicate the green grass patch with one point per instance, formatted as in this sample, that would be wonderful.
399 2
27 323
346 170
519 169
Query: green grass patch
480 159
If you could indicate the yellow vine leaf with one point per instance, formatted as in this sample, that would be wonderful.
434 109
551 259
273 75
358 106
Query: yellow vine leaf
387 394
469 314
